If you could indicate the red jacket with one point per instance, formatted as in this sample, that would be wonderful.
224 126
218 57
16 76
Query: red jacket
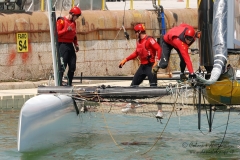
175 38
148 50
65 35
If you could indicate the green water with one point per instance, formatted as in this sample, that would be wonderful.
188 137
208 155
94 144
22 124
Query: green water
109 136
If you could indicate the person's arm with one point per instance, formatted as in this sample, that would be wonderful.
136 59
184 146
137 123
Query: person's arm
132 56
75 42
183 48
75 38
158 49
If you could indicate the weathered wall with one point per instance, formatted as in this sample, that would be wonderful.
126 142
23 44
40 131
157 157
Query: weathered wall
101 39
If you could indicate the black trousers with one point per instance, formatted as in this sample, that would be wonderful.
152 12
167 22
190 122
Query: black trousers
68 56
166 50
143 72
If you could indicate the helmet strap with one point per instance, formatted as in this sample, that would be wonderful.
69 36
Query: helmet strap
72 16
139 32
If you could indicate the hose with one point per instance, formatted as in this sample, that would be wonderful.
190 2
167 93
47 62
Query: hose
219 36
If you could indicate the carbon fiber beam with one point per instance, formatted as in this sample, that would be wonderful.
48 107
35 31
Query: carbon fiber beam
107 92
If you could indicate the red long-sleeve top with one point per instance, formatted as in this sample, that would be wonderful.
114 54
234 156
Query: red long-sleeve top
64 33
148 51
175 37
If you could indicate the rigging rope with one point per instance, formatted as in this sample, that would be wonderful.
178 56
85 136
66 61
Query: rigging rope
227 121
109 131
174 105
177 94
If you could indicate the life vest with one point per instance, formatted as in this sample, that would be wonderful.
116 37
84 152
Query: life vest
145 55
179 32
174 32
68 36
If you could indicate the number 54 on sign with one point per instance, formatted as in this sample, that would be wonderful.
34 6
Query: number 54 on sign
22 42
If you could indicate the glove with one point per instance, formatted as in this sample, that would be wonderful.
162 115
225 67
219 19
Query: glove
155 68
192 76
198 34
122 63
76 48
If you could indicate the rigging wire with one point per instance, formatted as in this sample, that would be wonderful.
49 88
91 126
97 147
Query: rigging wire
227 121
105 121
207 112
174 105
125 32
167 123
204 96
124 13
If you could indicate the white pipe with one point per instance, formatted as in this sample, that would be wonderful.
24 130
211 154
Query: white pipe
219 35
52 43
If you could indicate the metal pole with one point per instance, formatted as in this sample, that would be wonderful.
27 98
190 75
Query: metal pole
210 118
131 4
187 4
103 5
52 43
42 5
91 4
73 3
199 107
81 77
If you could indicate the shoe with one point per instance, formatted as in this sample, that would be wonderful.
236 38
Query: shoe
64 83
183 77
129 108
159 115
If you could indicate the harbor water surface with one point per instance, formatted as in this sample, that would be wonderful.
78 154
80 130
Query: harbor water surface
121 136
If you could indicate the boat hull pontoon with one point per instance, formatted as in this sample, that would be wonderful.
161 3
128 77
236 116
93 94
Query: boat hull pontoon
44 120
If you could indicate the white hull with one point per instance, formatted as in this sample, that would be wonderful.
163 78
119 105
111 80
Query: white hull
44 121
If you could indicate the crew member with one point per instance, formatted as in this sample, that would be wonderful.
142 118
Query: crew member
179 38
68 45
149 53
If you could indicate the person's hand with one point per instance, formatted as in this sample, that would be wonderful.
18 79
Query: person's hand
122 63
192 79
192 76
76 48
198 34
155 68
69 28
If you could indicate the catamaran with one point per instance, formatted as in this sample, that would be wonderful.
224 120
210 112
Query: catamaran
47 117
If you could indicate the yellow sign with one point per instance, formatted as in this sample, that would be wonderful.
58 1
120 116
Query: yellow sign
22 42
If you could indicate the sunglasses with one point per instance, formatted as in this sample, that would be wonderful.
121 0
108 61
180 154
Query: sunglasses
189 38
